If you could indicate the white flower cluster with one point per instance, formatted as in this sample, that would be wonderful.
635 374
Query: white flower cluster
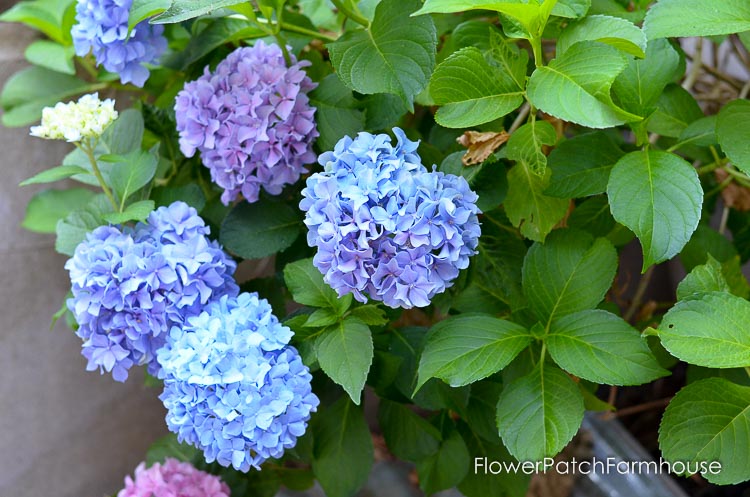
74 121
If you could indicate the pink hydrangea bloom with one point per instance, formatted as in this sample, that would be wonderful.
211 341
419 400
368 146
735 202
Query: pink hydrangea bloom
173 479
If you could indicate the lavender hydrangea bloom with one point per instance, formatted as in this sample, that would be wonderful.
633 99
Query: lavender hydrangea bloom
232 385
251 120
384 225
172 479
103 28
131 285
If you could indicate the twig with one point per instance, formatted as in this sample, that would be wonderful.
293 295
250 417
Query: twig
695 69
719 75
522 115
745 90
724 219
640 291
647 406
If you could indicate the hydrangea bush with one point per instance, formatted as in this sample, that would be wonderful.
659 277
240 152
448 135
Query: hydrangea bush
456 213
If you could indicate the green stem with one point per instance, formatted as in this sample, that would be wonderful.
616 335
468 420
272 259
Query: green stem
88 149
292 28
351 13
536 47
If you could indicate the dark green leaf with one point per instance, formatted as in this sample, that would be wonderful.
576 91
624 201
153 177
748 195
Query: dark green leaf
732 129
345 353
307 285
445 468
337 114
190 193
525 145
581 166
258 230
167 447
706 241
675 110
370 314
407 435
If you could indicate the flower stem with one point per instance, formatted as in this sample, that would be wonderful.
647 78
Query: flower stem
88 149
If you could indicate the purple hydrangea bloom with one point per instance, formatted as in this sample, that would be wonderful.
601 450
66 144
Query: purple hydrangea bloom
232 385
251 120
103 28
131 285
173 479
384 225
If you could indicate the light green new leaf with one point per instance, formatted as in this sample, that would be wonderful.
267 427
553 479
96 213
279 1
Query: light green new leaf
258 230
54 174
709 420
598 346
47 207
130 172
538 414
658 196
568 273
471 91
395 54
345 354
671 18
137 211
575 86
337 113
466 348
709 330
183 10
621 34
48 16
307 285
733 130
51 55
525 145
705 278
528 208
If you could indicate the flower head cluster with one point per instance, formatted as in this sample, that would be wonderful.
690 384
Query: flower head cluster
103 28
173 479
233 387
74 121
384 225
131 285
251 120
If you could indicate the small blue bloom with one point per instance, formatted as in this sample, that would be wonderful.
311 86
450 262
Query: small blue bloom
385 226
233 387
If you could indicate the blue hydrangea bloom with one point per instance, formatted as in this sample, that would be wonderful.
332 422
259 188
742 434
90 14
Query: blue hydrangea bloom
384 225
233 387
103 28
130 285
251 121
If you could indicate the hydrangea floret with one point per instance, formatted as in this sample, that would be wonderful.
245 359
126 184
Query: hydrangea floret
173 479
385 226
130 285
251 120
233 387
102 27
76 121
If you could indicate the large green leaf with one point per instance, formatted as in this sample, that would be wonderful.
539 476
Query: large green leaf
48 16
307 286
676 109
258 230
538 414
525 145
337 114
598 346
471 91
581 166
659 197
395 54
140 10
343 452
47 207
137 211
125 134
528 208
705 278
345 353
467 348
696 18
570 272
130 172
73 229
708 330
409 436
733 129
183 10
51 55
619 33
707 421
54 174
512 61
575 86
445 468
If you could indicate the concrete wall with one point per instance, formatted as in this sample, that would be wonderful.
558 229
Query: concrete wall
64 432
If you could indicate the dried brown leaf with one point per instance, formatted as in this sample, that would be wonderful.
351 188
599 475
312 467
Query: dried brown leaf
735 196
480 145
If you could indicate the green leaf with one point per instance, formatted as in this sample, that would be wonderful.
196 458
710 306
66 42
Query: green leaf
190 193
345 353
709 420
701 132
125 134
570 272
598 346
28 91
168 446
382 111
525 145
337 114
408 436
137 211
706 241
708 330
343 452
51 55
575 86
445 468
140 10
538 414
639 86
528 208
669 18
471 91
47 16
260 229
512 61
183 10
466 348
131 172
73 229
47 207
395 54
614 31
675 110
307 285
581 166
321 318
571 8
658 196
54 174
732 129
703 279
370 314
